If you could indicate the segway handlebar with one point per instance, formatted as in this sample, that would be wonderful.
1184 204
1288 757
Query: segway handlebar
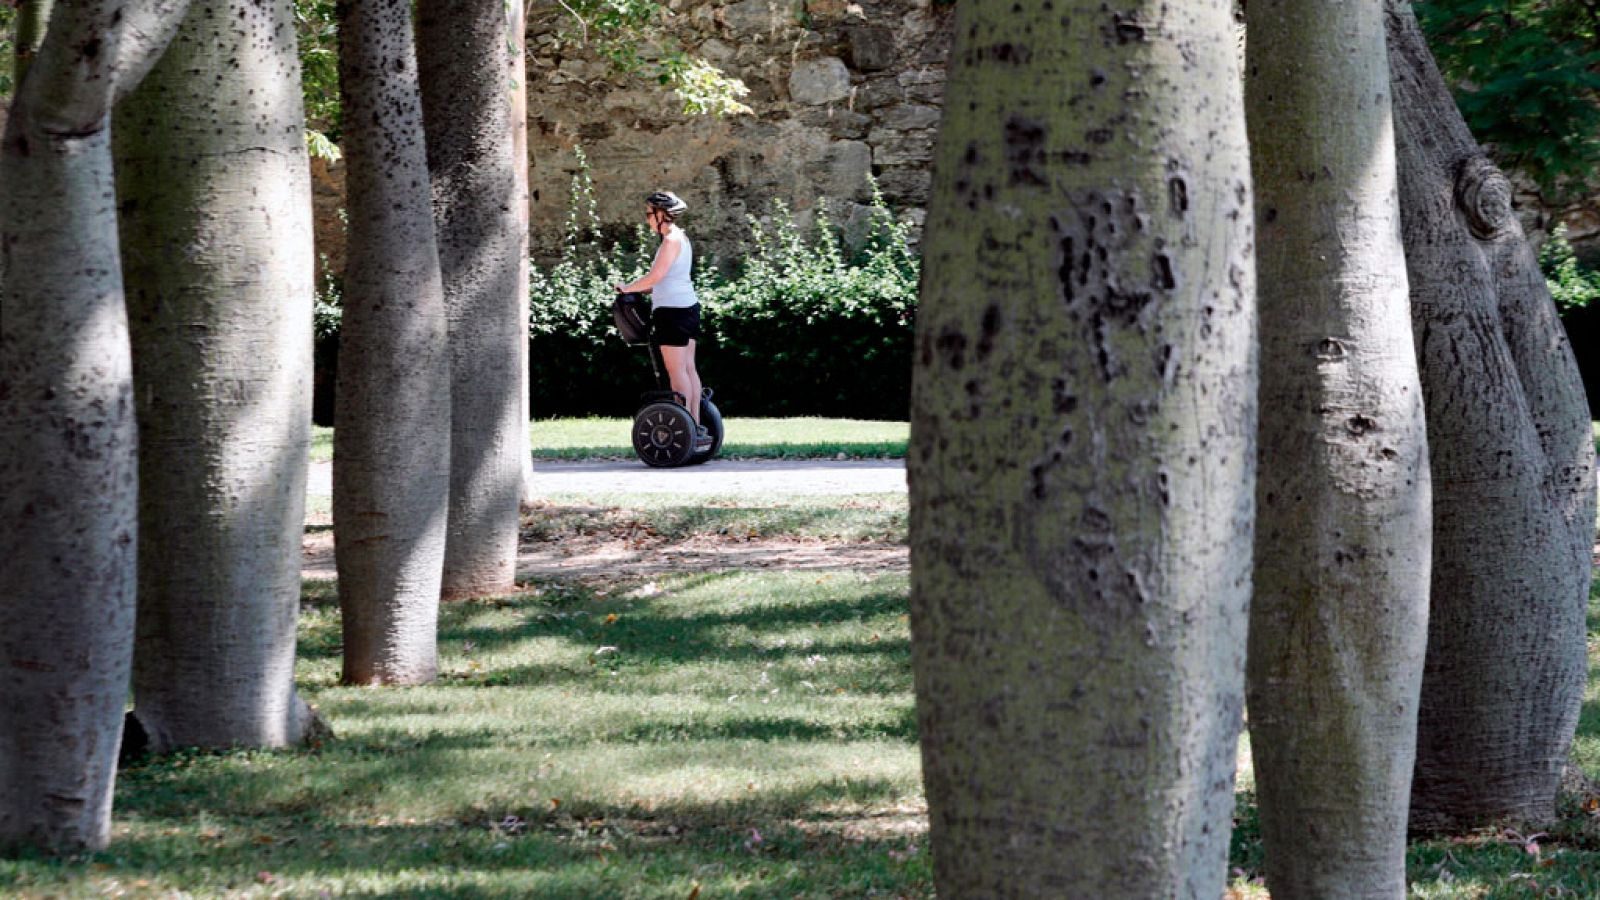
632 314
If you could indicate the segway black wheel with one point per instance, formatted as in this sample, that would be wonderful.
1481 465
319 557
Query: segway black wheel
711 418
663 435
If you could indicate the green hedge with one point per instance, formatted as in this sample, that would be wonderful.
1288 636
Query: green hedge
795 327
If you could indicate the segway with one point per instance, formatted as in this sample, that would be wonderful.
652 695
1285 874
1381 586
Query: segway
663 430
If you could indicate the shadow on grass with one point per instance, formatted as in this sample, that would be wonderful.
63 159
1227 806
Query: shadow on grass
801 517
223 793
685 521
651 630
553 858
447 792
902 727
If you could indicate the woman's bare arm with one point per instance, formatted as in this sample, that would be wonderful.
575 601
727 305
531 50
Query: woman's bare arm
658 269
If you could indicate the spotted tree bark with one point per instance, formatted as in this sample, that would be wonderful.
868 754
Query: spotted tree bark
214 197
1513 473
466 102
68 460
1083 451
1339 619
392 440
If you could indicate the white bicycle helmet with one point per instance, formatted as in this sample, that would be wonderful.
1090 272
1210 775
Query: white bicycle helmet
667 202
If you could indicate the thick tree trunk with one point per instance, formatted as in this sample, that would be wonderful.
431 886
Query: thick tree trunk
1513 473
1083 451
1339 620
214 193
391 486
461 47
518 22
68 461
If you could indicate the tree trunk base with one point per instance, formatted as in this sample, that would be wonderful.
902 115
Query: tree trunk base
310 731
382 676
456 594
1577 792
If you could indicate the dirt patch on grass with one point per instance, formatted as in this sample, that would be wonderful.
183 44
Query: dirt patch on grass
905 821
594 556
619 554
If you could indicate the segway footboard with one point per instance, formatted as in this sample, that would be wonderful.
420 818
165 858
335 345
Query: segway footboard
711 418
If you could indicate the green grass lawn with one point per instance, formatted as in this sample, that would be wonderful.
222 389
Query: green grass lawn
745 438
858 517
749 734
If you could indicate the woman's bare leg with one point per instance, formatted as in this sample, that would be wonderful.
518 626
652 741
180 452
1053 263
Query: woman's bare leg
694 383
678 369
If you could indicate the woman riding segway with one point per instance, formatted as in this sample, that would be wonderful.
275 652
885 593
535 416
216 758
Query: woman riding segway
674 308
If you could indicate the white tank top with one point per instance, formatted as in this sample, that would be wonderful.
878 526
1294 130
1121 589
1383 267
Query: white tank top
675 289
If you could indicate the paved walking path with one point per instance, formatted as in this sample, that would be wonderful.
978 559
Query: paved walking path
751 477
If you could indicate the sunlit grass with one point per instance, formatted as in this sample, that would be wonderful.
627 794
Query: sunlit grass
799 437
752 734
677 517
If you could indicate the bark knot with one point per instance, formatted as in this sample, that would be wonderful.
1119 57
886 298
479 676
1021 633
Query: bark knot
1330 350
1484 196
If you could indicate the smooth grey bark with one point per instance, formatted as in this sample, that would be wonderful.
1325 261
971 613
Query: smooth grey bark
1082 460
391 485
517 21
214 197
1339 618
68 441
466 102
1513 473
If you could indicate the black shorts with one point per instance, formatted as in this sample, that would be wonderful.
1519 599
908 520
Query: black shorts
674 326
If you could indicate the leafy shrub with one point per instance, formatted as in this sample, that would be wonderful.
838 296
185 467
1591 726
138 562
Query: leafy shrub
1526 74
1572 285
803 330
327 304
8 27
796 327
577 364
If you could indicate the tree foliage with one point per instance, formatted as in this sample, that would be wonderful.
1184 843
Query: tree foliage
634 36
319 75
319 67
1526 74
8 29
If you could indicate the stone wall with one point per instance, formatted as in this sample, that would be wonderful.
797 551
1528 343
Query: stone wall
1539 218
854 91
840 89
